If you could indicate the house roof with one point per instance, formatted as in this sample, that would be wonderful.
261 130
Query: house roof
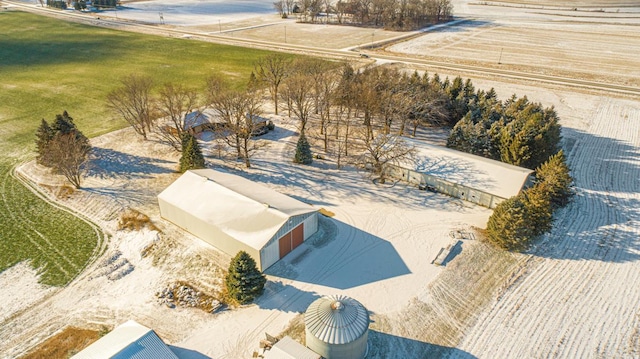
287 348
245 210
197 118
484 174
129 340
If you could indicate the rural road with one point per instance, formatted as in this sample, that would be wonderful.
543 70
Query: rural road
332 53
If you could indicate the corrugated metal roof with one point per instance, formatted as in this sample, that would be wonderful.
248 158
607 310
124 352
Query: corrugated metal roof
336 319
490 176
287 348
129 340
245 210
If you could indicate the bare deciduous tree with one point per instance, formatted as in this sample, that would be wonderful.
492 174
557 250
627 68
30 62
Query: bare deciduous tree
133 102
279 6
272 70
69 153
384 149
239 111
297 93
175 102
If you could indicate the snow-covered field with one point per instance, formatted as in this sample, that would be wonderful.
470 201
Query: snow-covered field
576 295
581 296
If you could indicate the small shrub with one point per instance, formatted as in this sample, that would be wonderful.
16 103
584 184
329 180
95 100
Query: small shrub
133 220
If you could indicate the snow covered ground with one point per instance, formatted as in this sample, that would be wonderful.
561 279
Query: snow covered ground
576 295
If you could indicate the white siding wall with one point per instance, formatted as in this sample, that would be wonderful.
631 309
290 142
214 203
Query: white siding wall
310 225
270 254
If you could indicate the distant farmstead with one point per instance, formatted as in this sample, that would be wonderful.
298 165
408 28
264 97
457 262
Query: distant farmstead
462 175
235 214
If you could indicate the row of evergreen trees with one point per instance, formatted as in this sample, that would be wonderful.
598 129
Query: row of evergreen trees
516 131
520 133
518 220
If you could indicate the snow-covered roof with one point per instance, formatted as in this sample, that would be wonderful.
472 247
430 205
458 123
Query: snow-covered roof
245 210
484 174
197 118
287 348
129 340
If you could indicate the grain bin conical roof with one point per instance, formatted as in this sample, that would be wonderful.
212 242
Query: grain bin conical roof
336 319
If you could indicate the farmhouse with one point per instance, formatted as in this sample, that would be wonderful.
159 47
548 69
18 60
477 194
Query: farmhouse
233 213
462 175
129 340
199 121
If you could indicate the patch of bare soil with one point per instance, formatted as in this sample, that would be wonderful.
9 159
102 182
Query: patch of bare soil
68 342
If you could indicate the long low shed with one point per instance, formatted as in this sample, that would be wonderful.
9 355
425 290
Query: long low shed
235 214
469 177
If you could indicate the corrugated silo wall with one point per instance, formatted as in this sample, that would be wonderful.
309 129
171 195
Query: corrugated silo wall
354 350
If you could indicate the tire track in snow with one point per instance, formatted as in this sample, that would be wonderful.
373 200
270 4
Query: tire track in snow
581 299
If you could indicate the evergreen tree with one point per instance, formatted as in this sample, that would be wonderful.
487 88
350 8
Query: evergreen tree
191 154
63 124
44 135
509 226
531 137
303 151
556 177
244 282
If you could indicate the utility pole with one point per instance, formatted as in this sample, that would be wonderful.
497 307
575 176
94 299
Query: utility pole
285 34
500 58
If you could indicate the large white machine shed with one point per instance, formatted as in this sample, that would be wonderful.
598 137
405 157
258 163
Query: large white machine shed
233 213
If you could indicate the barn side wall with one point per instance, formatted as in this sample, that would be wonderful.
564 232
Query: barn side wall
205 231
440 185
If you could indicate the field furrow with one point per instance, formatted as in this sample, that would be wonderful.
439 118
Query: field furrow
581 299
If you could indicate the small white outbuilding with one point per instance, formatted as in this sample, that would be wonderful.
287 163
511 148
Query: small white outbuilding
458 174
233 213
128 341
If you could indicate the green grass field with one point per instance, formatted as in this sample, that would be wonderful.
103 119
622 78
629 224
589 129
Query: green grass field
48 66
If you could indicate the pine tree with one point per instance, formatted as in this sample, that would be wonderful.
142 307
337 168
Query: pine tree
244 282
44 135
303 151
63 124
192 157
509 226
556 177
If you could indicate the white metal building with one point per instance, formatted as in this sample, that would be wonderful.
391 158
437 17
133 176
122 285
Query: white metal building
233 213
473 178
128 341
287 348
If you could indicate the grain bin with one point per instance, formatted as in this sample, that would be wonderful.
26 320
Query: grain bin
336 327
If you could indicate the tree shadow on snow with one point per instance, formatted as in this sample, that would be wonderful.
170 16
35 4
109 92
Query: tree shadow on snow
108 163
383 345
285 297
350 259
321 180
601 222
